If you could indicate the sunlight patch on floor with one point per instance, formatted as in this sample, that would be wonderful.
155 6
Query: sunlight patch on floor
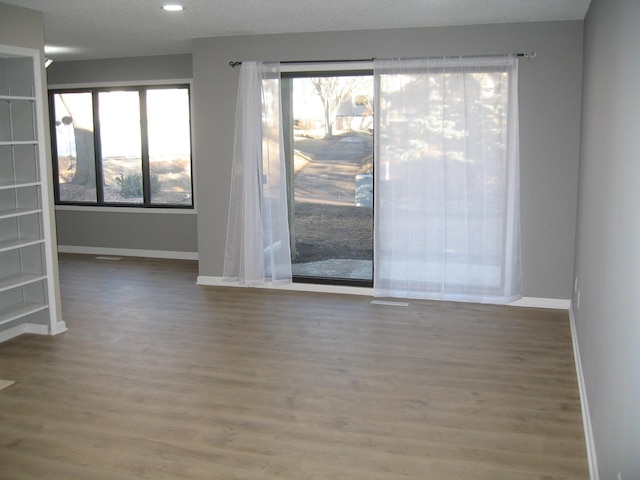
5 383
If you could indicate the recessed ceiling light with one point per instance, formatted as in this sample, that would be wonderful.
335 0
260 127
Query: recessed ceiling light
173 7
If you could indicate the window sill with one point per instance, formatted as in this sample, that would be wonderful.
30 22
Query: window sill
138 210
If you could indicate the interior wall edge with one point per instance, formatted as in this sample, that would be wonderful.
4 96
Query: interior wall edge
582 387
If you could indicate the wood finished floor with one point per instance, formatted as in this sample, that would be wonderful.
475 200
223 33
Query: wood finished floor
158 378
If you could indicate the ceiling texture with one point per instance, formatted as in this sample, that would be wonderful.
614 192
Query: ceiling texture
93 29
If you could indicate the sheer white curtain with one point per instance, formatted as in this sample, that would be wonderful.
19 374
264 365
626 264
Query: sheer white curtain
446 207
257 247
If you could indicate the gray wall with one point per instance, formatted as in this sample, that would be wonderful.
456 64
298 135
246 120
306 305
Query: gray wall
608 236
153 231
162 232
550 100
20 27
134 69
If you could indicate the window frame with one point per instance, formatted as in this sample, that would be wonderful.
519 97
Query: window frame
295 70
142 88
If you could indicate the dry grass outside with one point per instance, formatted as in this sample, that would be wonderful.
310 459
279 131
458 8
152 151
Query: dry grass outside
328 224
326 232
174 176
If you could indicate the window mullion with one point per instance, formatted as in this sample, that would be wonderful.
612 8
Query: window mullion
144 142
54 150
97 145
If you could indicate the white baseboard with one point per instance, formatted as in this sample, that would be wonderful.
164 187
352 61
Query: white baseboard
586 417
299 287
534 302
37 329
30 328
128 252
60 327
537 302
12 332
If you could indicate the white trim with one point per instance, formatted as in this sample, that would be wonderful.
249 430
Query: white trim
582 387
128 252
48 214
533 302
127 83
36 329
389 303
60 327
31 328
300 287
100 209
537 302
13 332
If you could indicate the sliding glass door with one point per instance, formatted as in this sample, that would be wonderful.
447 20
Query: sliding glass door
329 144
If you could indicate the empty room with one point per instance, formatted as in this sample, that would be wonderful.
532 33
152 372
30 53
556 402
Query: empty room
344 240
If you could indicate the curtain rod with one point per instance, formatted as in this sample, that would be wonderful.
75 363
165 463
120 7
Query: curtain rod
234 64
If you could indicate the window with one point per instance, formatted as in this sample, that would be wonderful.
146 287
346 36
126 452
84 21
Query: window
122 147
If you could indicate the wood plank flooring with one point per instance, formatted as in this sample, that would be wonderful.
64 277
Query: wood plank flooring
158 378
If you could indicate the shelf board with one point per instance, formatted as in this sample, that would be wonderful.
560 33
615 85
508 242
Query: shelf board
19 280
5 185
18 212
14 312
9 143
15 244
17 97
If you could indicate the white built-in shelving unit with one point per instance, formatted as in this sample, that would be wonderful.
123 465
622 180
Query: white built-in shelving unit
28 291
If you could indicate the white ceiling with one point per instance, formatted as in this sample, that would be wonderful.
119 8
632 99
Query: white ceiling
86 29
